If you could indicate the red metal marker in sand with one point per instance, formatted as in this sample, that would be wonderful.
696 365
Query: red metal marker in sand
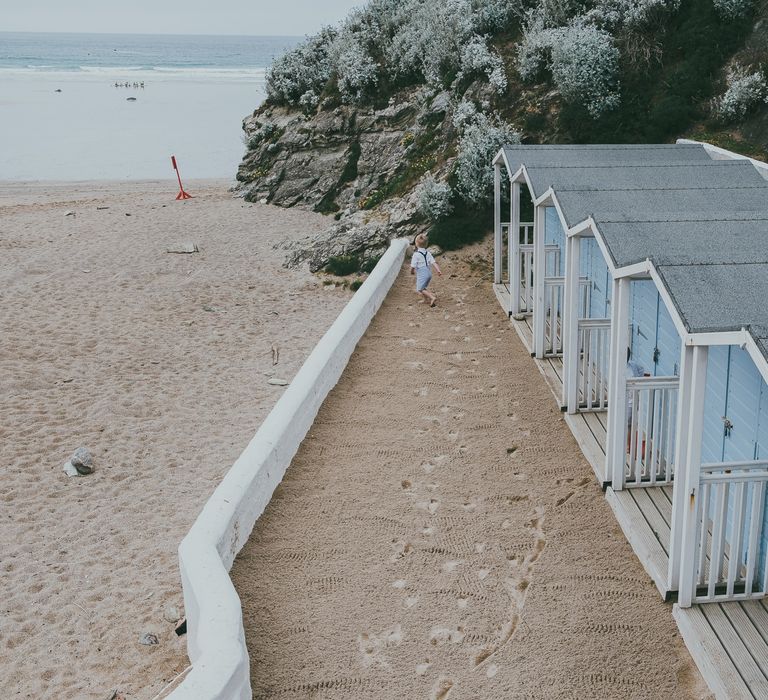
182 194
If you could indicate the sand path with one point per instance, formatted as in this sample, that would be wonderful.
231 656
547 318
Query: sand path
439 535
158 363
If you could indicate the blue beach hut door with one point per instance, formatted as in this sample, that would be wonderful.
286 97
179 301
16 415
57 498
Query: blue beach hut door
655 342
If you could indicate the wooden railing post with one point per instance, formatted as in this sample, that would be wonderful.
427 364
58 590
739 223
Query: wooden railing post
539 272
514 249
682 423
616 446
689 474
572 307
497 245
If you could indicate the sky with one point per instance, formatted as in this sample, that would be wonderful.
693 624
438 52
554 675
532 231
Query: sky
252 17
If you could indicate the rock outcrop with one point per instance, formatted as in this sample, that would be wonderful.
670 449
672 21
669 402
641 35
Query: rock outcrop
361 165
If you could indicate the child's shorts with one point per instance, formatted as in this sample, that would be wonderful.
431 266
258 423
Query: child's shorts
423 278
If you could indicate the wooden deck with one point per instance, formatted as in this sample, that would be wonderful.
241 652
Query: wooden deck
728 641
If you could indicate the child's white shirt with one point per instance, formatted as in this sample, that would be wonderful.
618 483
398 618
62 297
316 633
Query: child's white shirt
419 259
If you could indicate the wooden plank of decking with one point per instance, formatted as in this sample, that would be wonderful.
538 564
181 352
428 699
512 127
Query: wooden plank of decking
662 501
757 613
502 295
553 380
524 331
710 656
753 640
640 536
557 368
652 516
592 419
735 648
589 445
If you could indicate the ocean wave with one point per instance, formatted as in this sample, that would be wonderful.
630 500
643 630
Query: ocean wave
138 72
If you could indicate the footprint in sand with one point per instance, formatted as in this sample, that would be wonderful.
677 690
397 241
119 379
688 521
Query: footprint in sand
428 467
415 365
492 670
462 601
450 566
399 584
422 668
408 342
442 689
430 506
372 646
410 601
402 550
482 574
469 506
444 635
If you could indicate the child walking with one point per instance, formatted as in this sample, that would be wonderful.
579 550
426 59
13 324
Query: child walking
422 263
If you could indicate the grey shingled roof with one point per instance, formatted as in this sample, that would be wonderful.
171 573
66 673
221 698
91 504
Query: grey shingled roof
628 206
716 298
703 223
603 154
687 242
662 176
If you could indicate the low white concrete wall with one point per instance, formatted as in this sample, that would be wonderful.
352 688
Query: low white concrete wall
216 641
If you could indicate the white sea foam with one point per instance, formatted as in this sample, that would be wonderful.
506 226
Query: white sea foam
250 74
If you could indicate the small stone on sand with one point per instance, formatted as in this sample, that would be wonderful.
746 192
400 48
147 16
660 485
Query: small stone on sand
275 381
82 460
148 639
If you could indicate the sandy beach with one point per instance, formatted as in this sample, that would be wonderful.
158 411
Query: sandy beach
439 535
156 362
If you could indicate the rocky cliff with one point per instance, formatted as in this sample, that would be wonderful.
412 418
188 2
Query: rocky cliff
357 165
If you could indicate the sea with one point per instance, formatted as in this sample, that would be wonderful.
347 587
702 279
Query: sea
118 106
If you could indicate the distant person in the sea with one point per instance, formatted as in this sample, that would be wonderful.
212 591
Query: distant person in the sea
422 263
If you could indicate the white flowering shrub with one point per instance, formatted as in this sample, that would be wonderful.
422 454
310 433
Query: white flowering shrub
494 15
582 58
480 138
745 91
534 52
478 59
631 15
305 68
428 45
585 67
733 9
434 198
464 113
357 73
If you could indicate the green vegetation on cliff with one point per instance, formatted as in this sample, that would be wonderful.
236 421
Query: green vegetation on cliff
390 120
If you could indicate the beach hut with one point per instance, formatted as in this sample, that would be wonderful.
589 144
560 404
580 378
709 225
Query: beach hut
653 332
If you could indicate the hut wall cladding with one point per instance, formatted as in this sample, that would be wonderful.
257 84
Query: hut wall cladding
594 267
554 235
736 390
